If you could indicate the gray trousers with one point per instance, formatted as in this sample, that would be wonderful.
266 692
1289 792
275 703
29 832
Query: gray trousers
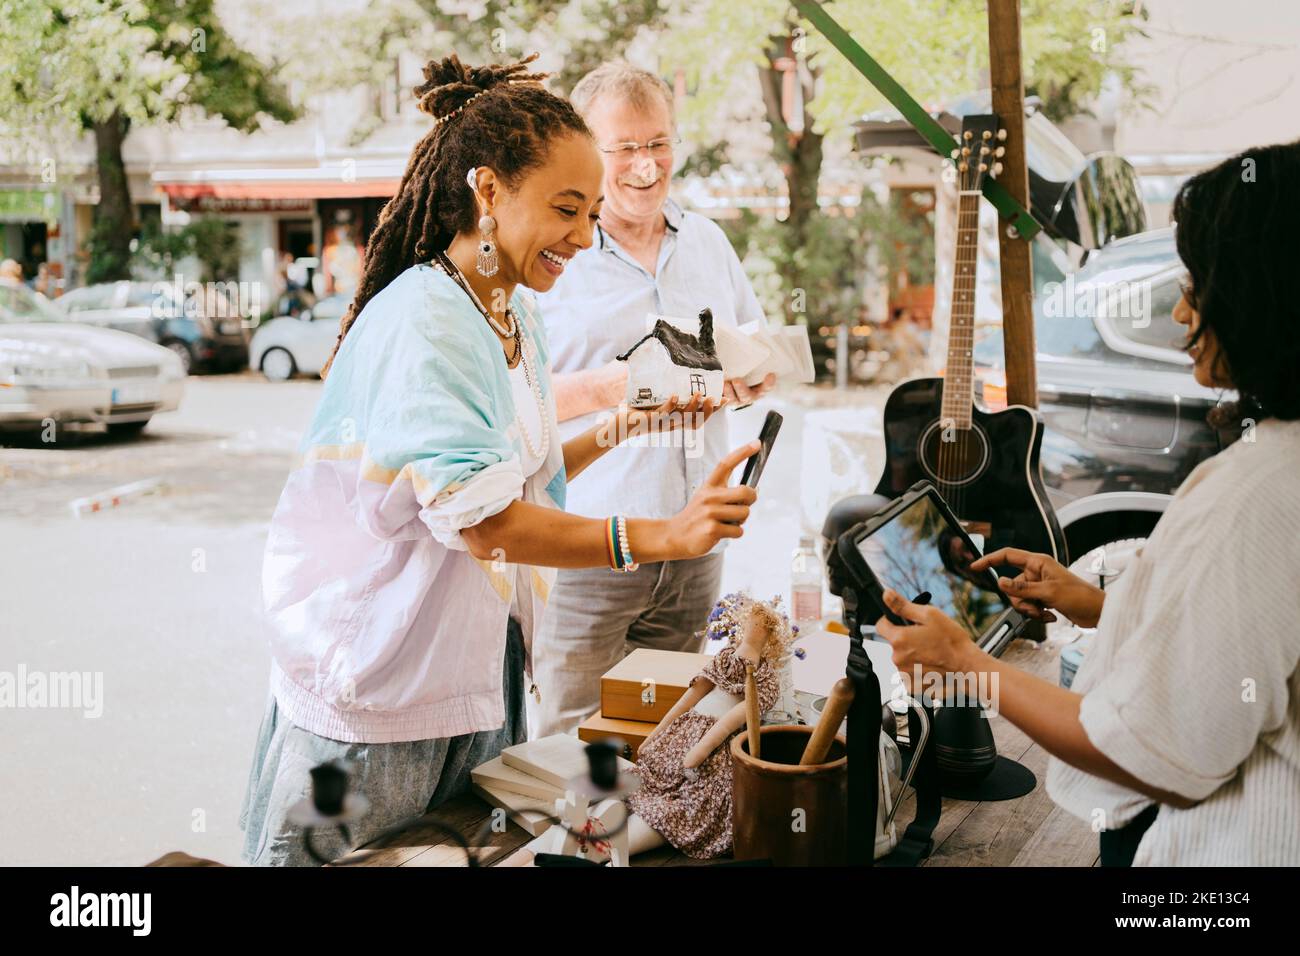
400 780
596 616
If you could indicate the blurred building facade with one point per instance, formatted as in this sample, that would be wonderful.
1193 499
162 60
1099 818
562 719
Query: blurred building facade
306 190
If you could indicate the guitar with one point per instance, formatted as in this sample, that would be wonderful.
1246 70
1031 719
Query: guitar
985 465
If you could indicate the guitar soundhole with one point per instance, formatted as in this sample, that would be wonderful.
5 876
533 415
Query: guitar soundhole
953 456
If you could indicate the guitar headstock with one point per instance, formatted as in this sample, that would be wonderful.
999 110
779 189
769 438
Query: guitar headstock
981 148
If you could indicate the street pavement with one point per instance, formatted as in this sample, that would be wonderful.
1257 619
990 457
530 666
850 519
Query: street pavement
160 597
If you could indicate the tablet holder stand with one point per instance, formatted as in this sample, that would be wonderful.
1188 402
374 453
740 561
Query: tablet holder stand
967 764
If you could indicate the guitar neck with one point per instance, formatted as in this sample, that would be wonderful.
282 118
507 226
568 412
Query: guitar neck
958 381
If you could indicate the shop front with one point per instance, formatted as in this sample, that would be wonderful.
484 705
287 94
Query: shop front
33 233
303 228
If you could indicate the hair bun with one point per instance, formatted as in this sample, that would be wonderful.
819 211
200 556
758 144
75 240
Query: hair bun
449 84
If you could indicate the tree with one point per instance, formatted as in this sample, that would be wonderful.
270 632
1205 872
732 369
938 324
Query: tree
735 56
935 48
101 66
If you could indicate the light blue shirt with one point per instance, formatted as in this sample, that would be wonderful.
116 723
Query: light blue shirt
597 310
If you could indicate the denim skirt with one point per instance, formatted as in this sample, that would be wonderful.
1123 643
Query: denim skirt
400 780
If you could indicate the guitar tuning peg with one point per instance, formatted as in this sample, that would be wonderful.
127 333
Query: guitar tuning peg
999 151
984 167
955 152
997 169
967 135
984 150
986 135
1002 134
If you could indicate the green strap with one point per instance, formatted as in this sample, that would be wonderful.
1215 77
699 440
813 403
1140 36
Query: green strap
912 111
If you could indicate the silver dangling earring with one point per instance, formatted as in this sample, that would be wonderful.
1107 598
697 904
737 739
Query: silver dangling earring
486 261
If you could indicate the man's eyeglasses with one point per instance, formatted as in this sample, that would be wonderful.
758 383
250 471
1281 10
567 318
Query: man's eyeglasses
660 148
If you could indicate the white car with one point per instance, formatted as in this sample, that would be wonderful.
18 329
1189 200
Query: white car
303 343
52 370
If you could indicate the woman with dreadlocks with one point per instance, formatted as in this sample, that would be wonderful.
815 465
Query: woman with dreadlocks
410 555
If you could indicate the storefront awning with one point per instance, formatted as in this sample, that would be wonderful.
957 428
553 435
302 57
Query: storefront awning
304 189
275 196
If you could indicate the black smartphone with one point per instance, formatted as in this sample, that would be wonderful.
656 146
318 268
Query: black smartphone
754 465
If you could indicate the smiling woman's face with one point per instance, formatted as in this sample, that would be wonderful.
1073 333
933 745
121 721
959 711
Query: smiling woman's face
551 216
1205 354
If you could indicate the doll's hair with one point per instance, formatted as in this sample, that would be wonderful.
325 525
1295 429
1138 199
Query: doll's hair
774 623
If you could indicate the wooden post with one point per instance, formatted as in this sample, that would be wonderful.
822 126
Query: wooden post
1017 267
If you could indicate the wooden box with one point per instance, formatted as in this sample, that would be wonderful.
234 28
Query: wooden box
631 732
644 685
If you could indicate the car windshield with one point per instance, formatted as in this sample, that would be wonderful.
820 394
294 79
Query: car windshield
1129 259
20 304
1124 273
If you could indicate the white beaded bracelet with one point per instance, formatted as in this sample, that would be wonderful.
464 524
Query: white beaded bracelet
628 563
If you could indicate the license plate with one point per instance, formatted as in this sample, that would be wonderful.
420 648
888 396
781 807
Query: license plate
139 393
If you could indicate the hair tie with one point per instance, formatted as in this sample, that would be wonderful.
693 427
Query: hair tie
438 120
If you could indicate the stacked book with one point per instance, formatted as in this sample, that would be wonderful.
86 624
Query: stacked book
528 778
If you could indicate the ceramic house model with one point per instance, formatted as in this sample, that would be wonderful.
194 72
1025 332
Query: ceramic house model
669 362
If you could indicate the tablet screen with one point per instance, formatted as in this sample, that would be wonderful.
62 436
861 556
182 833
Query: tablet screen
917 550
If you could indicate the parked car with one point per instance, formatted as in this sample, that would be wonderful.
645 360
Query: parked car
55 370
1125 421
283 347
203 330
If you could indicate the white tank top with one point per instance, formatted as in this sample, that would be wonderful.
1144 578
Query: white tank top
529 419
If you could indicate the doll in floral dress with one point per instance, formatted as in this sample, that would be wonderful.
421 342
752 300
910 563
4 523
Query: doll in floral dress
685 763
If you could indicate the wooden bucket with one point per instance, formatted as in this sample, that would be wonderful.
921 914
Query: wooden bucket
791 815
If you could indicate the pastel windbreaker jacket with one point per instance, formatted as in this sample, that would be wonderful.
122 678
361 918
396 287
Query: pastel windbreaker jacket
384 627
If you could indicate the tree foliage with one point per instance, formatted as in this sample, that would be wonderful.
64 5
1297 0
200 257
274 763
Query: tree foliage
104 65
84 61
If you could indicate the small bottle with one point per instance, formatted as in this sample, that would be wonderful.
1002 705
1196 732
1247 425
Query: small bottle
806 584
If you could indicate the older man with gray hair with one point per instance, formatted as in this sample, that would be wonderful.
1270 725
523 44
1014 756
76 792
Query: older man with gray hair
649 256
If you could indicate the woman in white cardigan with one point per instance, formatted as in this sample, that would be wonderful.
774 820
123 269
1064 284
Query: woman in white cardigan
1180 738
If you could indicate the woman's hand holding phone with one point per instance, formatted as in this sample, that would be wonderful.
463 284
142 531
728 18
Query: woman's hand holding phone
716 511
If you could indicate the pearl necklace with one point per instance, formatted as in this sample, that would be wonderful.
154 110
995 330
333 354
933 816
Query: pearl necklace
452 270
524 351
535 387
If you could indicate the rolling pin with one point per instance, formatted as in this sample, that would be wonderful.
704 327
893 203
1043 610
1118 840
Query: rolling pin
751 711
837 705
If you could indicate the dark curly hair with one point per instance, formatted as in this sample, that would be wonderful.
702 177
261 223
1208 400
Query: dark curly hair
507 129
1236 234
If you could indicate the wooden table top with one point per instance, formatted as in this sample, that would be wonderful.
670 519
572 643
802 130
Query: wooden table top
1028 831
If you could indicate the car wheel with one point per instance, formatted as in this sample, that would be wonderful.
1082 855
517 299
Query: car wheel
1120 534
278 365
126 429
182 352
